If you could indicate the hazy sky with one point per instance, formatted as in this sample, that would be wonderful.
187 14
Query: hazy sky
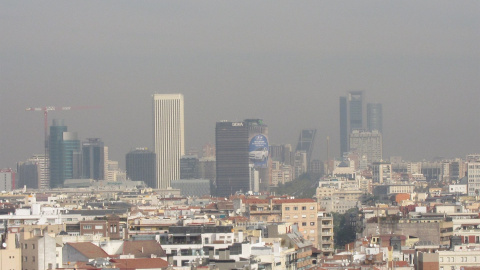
284 61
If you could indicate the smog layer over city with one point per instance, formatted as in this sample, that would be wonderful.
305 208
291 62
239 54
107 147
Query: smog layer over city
210 117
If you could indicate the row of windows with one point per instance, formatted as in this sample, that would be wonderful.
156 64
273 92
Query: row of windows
26 246
295 208
89 227
25 259
461 259
303 216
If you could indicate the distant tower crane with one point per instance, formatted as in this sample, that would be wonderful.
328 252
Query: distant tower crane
45 111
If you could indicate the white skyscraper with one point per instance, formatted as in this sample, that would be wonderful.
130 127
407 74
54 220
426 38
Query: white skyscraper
168 133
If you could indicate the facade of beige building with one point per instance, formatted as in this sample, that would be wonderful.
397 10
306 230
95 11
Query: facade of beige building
10 254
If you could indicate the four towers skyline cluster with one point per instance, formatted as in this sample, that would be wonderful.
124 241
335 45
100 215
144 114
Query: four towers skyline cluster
355 136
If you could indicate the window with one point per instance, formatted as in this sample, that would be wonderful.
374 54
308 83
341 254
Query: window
98 227
304 224
33 258
295 208
312 223
33 246
87 227
26 246
287 208
304 208
312 207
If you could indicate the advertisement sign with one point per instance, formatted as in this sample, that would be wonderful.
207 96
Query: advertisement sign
258 151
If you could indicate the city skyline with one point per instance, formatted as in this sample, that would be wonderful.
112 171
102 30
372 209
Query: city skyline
424 71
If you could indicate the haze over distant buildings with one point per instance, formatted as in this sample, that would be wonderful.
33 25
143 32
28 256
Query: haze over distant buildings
287 63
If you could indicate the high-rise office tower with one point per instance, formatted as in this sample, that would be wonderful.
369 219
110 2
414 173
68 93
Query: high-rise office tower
355 108
207 169
28 175
374 117
306 142
105 162
55 152
7 179
368 144
33 173
168 132
232 162
72 156
93 155
141 166
343 126
241 156
64 154
189 167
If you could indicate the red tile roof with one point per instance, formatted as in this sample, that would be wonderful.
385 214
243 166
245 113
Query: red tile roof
143 248
256 201
89 250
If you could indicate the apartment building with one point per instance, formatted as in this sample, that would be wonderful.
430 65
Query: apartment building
304 213
325 233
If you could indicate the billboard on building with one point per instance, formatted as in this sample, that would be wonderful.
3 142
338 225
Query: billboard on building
258 151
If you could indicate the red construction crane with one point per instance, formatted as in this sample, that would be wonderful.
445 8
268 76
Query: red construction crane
45 111
52 108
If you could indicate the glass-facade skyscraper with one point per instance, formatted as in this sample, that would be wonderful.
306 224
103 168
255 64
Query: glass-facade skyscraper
374 117
140 165
355 107
64 154
93 156
242 154
306 142
231 144
343 126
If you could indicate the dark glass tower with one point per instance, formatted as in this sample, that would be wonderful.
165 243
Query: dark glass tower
355 107
28 174
93 155
232 158
306 142
374 117
189 167
55 152
343 126
71 154
141 166
64 153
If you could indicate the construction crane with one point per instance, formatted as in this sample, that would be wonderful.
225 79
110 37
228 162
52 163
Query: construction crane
45 111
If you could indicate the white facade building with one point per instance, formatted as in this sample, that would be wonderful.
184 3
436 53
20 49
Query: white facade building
7 179
367 143
473 169
168 131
